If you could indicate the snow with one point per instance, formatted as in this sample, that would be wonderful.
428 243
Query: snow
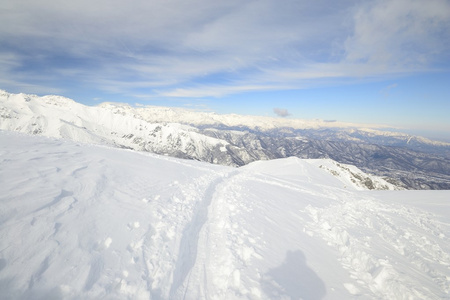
311 170
79 221
109 123
186 116
59 117
165 114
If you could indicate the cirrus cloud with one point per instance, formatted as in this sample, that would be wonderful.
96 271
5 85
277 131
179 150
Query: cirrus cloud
200 48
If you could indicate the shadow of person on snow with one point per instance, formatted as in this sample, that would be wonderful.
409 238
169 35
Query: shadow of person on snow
293 279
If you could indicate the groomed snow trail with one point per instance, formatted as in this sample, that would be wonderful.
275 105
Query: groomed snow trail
88 222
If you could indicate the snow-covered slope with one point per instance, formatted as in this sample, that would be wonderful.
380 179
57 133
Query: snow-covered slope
87 222
312 170
55 116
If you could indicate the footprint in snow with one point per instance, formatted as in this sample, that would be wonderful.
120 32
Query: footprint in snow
133 225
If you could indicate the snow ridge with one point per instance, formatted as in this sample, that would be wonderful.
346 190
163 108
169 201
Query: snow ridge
59 117
87 222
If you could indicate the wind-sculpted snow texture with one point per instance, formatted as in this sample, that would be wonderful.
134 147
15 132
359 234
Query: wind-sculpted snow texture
230 140
80 221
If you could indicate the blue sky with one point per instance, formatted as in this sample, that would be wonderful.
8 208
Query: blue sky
378 61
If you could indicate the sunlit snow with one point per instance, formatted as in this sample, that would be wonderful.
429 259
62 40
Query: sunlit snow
79 221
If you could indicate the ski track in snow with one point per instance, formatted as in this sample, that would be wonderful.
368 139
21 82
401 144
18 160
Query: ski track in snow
191 237
216 272
80 221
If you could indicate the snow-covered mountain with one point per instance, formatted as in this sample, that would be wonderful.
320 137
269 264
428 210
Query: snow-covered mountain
368 133
230 140
55 116
80 221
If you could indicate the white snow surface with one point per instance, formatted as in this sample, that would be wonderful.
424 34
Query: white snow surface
59 117
80 221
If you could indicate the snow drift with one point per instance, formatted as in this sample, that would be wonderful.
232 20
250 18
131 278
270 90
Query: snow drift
89 222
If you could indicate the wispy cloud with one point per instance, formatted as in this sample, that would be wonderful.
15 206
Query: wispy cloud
200 48
213 90
385 91
400 34
281 112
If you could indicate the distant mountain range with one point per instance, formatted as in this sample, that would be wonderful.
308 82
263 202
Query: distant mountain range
408 161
